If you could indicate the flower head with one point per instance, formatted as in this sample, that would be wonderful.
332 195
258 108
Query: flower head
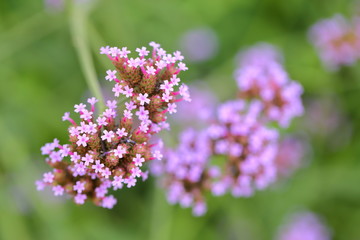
109 150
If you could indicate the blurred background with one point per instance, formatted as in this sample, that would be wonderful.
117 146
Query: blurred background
41 77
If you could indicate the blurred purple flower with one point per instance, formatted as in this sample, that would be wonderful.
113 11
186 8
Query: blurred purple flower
200 111
304 226
337 41
199 44
264 78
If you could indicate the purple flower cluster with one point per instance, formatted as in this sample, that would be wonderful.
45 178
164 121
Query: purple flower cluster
185 169
264 78
249 146
109 150
337 41
304 226
200 110
235 151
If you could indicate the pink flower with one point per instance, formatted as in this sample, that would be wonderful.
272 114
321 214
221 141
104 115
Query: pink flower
87 159
82 140
106 173
166 97
79 187
108 202
182 66
111 104
58 190
92 101
80 199
157 155
75 157
105 50
40 185
120 151
160 64
142 52
130 182
86 115
117 89
128 91
150 70
117 183
79 107
136 172
124 52
108 135
172 108
111 75
138 160
98 166
167 87
130 105
143 98
102 121
121 132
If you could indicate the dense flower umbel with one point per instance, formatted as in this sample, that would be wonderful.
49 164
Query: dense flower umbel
249 146
235 150
268 81
239 138
337 41
304 226
109 150
186 171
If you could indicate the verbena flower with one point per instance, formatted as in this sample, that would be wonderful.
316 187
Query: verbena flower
265 79
235 150
202 108
185 170
337 41
108 150
304 226
249 146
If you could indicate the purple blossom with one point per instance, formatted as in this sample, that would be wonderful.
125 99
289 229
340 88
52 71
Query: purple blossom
111 75
87 159
117 183
58 190
98 166
80 199
143 98
120 151
130 182
108 136
337 41
138 160
109 202
82 140
79 187
304 226
48 177
109 152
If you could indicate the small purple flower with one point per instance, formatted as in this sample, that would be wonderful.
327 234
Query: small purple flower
304 226
79 187
58 190
80 199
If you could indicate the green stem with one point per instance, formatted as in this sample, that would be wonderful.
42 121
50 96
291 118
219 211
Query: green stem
160 228
96 41
79 37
